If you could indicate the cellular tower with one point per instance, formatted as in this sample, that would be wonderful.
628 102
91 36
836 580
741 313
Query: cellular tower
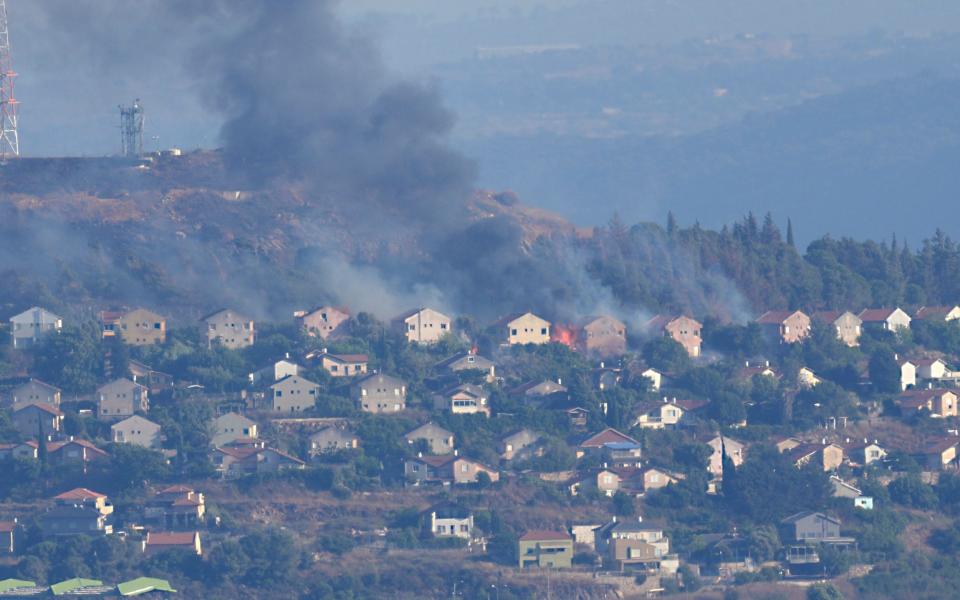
9 140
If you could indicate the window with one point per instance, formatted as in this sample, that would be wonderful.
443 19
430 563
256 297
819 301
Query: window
443 326
513 332
543 331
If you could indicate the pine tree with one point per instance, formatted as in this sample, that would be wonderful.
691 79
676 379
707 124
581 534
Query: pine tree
790 234
671 224
41 445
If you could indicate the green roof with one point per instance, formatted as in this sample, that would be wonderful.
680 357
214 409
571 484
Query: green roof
8 585
142 585
72 585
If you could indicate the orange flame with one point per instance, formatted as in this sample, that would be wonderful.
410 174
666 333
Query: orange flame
564 334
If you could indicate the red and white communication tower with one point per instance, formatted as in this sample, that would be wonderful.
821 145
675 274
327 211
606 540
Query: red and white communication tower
9 141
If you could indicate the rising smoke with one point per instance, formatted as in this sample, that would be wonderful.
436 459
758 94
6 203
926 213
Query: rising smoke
305 103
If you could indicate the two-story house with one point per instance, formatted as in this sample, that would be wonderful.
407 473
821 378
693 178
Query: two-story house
525 328
230 427
136 430
325 322
602 336
436 439
886 319
78 512
176 507
138 327
380 393
423 325
120 399
32 420
333 439
35 392
684 330
545 549
847 325
229 329
274 372
29 327
446 470
293 394
785 326
463 399
939 403
719 444
468 361
632 545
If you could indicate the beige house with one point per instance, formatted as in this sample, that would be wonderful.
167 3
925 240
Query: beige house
120 399
138 327
438 439
736 452
887 319
865 453
668 413
828 456
848 326
231 427
939 403
229 329
274 372
937 313
516 442
333 439
655 478
603 336
32 419
344 365
137 431
940 453
931 368
464 399
293 394
28 327
785 326
35 392
469 361
446 470
684 330
325 322
807 379
908 373
526 328
379 393
423 325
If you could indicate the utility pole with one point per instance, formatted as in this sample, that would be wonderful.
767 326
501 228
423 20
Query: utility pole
9 139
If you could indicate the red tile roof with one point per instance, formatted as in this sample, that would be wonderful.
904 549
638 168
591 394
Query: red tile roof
607 436
876 315
775 317
176 489
938 446
44 407
7 526
544 536
933 312
82 494
349 358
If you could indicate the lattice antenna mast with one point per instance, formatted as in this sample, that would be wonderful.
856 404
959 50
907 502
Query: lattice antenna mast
9 139
131 129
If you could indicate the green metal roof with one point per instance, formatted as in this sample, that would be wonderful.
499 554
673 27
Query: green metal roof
72 585
142 585
15 584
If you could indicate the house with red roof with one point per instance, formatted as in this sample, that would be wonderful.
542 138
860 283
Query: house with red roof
78 512
163 541
886 319
609 435
236 461
785 326
341 365
74 452
325 322
939 403
8 536
940 314
177 507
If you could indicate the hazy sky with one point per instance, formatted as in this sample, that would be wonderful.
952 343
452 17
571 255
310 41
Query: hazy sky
69 93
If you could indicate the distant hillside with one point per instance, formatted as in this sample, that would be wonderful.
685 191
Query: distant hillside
867 163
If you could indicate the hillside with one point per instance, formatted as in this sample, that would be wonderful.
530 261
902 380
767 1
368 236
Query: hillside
93 231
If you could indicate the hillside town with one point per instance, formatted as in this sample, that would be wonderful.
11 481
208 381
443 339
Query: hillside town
645 456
